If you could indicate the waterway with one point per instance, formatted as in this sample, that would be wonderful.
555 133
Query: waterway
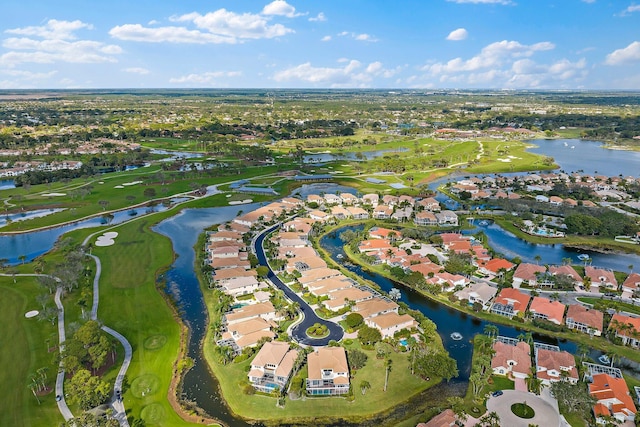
349 156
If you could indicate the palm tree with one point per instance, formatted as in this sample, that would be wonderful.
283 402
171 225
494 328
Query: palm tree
32 386
387 364
538 258
364 386
491 330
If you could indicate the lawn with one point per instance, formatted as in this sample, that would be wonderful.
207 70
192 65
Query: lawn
131 304
617 305
24 351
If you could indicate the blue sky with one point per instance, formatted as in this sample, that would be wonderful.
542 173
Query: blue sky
503 44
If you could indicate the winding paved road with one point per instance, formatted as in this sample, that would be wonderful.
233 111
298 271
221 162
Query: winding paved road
298 332
545 414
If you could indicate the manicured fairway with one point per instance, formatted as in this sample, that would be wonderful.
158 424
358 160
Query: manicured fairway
23 352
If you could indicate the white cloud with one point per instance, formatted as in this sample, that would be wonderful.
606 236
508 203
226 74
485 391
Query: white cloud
29 75
459 34
491 56
136 70
55 42
153 22
349 75
318 18
207 78
364 37
53 29
631 9
280 8
625 55
325 39
220 26
505 2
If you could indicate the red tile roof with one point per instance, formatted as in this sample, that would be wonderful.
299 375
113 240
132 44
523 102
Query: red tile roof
554 310
518 299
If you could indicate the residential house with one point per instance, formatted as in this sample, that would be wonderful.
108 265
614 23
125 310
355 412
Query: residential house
613 399
493 266
374 245
384 233
263 310
585 319
430 204
388 199
510 302
237 286
627 328
375 307
230 273
478 292
402 214
425 218
247 333
358 213
272 366
390 323
545 309
511 360
349 199
553 366
528 274
316 274
601 277
446 218
446 418
319 215
382 212
566 270
339 212
332 199
631 284
314 198
328 372
343 297
370 199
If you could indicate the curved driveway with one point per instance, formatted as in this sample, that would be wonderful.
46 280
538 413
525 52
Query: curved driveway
546 415
298 332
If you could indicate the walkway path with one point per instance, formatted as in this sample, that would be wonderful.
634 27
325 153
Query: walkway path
298 333
62 403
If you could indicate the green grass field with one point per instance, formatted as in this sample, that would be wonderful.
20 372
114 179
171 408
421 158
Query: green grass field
23 352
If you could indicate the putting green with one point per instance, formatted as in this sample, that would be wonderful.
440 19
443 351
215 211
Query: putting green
153 414
145 385
155 342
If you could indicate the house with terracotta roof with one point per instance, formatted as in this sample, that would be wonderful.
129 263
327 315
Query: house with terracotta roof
510 302
328 372
272 366
545 309
426 268
446 418
631 283
511 360
477 292
384 233
527 273
231 273
390 323
627 328
493 266
613 399
314 198
601 277
374 245
316 274
566 270
553 366
585 319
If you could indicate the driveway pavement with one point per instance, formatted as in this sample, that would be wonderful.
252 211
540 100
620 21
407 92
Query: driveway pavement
545 414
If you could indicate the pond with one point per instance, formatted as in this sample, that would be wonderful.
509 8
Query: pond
350 156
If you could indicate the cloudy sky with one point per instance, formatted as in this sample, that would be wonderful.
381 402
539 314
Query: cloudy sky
517 44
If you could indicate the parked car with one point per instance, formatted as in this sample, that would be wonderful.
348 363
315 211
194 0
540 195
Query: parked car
497 393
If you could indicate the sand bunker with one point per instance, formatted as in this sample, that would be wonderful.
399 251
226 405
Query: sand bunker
54 194
118 186
240 202
132 183
32 313
107 239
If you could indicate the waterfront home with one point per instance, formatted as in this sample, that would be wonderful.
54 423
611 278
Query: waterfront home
341 298
384 233
553 366
390 323
246 333
272 366
477 292
405 200
613 399
358 213
382 212
448 281
429 204
304 263
234 262
511 360
631 284
332 199
300 225
585 319
402 214
339 212
230 273
425 218
446 218
322 287
370 199
227 251
528 274
446 418
566 270
314 198
510 302
375 307
627 328
545 309
225 235
388 199
263 310
328 372
238 286
295 203
319 215
374 245
601 277
493 266
348 199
